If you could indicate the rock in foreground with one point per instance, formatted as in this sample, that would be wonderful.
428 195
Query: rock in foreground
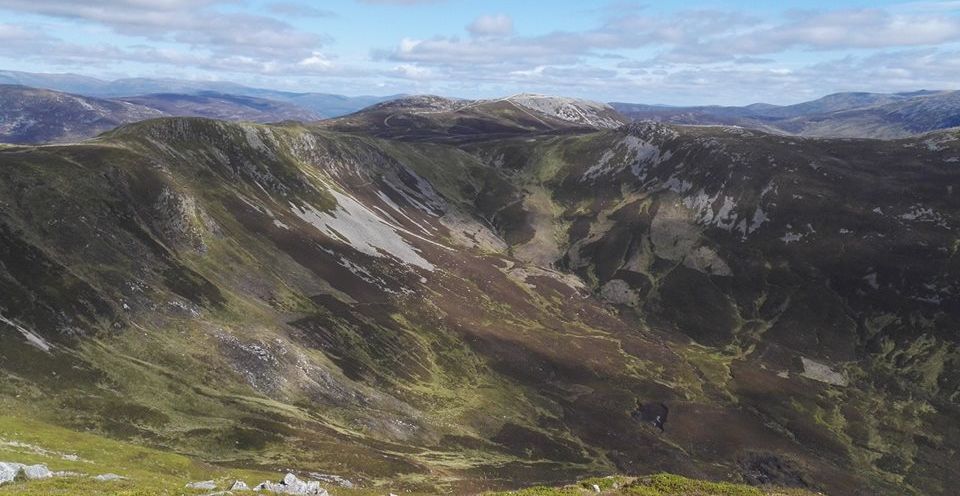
292 485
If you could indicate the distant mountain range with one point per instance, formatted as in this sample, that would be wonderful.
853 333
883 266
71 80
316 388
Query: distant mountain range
326 105
31 115
70 107
841 115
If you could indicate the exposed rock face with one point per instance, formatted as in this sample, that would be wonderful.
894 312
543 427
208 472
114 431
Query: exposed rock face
822 372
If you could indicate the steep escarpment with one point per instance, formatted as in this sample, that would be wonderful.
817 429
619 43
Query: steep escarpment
524 307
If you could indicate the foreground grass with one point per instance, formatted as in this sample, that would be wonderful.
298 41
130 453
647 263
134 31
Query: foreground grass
655 485
148 471
152 472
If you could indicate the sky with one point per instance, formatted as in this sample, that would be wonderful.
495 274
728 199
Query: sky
663 52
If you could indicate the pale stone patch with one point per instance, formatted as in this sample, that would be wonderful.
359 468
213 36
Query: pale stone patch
822 372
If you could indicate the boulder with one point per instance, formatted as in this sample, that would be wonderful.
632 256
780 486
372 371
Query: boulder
291 484
9 471
205 485
34 472
239 486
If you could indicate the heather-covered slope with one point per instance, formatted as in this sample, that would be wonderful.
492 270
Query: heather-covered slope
515 310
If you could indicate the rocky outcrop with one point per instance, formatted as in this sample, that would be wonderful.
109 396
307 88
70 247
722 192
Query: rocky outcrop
291 484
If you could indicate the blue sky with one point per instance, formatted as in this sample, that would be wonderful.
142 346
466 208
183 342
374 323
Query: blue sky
709 52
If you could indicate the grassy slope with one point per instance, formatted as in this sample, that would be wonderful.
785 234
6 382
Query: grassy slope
153 472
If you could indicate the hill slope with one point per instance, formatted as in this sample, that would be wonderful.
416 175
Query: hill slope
536 304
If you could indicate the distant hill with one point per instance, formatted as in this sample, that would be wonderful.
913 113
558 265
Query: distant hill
31 115
224 106
842 115
437 118
324 104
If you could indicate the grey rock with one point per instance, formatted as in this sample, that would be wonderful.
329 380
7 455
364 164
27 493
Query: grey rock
34 472
9 471
291 484
239 486
109 477
207 485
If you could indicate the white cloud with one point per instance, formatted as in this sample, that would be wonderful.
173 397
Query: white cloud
199 24
410 71
491 25
630 53
691 37
293 9
847 29
317 60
